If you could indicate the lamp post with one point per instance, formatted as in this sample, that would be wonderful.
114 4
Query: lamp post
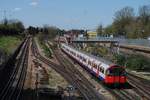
143 32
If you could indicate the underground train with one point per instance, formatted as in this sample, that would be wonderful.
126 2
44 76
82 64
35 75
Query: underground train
104 70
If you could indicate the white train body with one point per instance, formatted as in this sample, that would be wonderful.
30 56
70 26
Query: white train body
85 59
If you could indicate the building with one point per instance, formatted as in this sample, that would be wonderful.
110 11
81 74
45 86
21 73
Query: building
92 34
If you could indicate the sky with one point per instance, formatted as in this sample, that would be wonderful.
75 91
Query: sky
66 14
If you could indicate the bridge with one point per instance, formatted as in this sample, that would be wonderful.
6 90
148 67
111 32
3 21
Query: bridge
95 40
121 41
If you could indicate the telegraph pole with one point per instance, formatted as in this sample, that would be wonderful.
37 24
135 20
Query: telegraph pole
5 18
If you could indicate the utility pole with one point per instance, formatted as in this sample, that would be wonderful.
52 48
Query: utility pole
5 18
4 14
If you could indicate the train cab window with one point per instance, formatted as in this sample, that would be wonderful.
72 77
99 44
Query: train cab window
123 73
102 70
117 71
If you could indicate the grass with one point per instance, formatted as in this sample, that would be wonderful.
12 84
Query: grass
47 51
9 43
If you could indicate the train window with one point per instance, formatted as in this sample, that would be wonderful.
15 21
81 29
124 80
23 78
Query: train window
96 66
84 59
103 71
89 62
93 65
100 68
80 57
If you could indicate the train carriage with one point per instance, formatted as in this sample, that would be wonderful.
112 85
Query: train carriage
106 71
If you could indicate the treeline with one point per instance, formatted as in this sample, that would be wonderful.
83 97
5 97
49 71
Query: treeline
16 27
11 27
46 32
128 24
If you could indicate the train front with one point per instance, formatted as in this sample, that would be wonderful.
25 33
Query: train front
115 75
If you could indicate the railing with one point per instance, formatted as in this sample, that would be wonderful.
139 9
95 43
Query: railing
140 42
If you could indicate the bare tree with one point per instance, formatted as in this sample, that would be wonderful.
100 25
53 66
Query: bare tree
144 14
122 18
99 30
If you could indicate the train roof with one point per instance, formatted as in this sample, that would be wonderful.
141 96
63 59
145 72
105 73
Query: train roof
92 56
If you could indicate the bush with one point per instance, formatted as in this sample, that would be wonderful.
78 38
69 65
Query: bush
47 51
137 62
134 62
103 51
119 59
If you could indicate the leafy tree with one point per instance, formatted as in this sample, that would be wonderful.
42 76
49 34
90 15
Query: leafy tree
11 27
110 30
33 30
49 32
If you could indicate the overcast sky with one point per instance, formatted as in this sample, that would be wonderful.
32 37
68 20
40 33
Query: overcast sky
66 14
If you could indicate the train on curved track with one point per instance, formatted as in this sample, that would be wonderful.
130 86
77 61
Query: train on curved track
104 70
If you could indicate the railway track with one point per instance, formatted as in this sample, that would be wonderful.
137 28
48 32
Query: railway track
120 94
124 93
13 88
146 51
71 75
82 84
141 86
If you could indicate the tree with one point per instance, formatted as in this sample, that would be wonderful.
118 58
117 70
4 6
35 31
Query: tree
100 30
110 30
11 27
32 30
123 17
49 32
144 20
144 14
125 23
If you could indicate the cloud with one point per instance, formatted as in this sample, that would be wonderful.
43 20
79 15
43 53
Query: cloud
17 9
34 3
